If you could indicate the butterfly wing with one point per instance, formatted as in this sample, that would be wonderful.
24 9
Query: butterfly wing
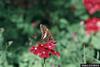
44 31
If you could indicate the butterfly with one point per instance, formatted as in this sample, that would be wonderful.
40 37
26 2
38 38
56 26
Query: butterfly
45 32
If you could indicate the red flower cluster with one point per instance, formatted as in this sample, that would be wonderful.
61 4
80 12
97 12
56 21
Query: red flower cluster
92 5
45 50
92 25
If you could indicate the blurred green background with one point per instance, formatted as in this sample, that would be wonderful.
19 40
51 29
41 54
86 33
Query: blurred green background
19 30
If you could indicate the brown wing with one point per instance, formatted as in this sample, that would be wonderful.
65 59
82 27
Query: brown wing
45 32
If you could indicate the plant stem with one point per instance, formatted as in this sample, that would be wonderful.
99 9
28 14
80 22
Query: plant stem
44 65
97 55
84 59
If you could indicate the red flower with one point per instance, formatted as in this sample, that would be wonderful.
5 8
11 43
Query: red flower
50 44
92 6
45 50
92 25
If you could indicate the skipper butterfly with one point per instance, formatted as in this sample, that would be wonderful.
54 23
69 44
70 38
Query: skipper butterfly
45 32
